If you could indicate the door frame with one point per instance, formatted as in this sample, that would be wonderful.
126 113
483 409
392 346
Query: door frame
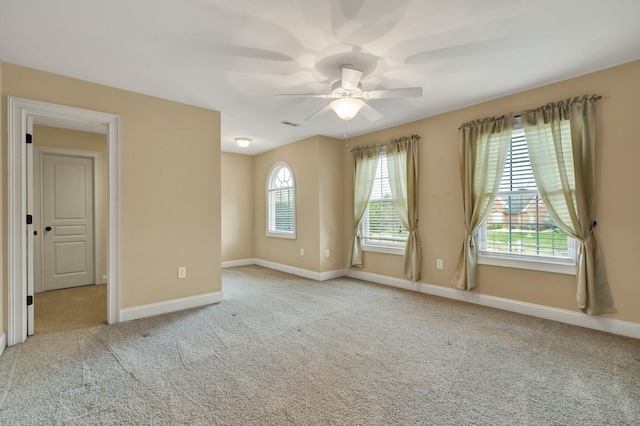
96 159
19 254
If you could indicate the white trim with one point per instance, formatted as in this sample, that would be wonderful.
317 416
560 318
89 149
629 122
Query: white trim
240 262
28 163
397 251
96 159
329 275
18 112
485 258
624 328
305 273
174 305
609 325
3 342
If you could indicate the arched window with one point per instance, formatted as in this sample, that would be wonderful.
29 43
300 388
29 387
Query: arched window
281 202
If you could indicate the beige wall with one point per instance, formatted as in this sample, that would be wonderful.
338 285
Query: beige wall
331 184
73 139
302 158
317 169
237 206
618 181
169 184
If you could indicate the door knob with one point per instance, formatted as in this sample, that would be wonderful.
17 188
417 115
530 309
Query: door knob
48 228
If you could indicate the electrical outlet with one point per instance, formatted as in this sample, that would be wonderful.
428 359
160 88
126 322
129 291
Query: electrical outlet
327 253
439 264
182 272
301 252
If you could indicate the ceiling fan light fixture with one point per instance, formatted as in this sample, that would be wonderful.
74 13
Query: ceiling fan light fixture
346 108
243 142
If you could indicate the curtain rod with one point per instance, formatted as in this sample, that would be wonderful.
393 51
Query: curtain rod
383 143
518 117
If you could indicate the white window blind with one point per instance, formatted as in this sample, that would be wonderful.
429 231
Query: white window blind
281 202
519 224
381 224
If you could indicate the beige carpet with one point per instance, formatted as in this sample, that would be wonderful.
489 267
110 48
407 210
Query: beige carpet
286 350
70 308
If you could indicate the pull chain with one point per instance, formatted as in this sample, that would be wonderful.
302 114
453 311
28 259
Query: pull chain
344 135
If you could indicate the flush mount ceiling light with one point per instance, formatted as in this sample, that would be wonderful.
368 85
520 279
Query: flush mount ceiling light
346 108
243 142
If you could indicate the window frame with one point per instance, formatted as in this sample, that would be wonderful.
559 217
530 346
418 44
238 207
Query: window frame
378 246
269 212
524 261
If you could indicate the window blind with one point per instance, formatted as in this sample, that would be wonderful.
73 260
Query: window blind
519 222
381 223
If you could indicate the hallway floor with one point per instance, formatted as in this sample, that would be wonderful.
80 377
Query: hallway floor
70 308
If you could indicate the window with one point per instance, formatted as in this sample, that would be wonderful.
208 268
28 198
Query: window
281 205
382 230
519 231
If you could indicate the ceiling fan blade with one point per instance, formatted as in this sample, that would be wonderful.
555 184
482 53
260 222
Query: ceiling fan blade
407 92
319 112
350 78
370 113
302 95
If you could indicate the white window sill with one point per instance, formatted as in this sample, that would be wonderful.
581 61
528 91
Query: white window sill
288 235
383 249
527 263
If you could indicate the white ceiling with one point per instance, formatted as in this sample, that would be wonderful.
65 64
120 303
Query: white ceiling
235 55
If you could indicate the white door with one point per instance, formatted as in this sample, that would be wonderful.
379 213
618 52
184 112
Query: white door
67 221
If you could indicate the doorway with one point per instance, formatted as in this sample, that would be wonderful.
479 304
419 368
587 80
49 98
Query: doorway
69 203
21 245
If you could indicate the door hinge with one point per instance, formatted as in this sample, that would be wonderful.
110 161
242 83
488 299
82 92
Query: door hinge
29 219
29 300
29 138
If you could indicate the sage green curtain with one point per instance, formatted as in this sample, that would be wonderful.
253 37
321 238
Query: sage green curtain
364 172
402 161
561 142
484 145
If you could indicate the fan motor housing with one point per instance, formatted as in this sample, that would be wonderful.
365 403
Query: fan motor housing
338 91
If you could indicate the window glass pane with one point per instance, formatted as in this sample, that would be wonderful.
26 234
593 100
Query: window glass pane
519 223
280 202
381 223
282 209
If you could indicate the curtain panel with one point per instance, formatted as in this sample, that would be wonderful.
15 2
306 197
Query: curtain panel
402 161
484 145
364 171
561 142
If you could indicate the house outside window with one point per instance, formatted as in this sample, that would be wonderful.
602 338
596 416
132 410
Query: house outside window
519 231
382 230
281 205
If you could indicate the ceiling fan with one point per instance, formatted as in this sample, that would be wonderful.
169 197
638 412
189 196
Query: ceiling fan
348 95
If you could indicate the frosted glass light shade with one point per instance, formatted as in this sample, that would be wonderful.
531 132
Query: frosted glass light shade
243 142
346 108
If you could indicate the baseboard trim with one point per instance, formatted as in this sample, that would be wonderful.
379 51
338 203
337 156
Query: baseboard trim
329 275
305 273
3 342
104 279
312 275
240 262
623 328
152 309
